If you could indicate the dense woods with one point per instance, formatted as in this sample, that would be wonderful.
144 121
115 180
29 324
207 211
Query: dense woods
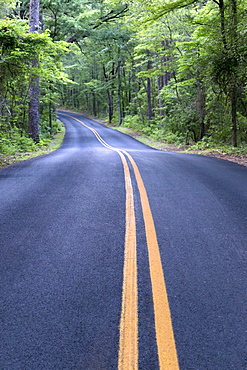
176 70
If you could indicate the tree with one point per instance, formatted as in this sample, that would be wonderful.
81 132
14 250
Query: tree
225 50
6 6
178 68
18 48
34 27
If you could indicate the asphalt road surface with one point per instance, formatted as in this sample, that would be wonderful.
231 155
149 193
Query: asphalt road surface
118 256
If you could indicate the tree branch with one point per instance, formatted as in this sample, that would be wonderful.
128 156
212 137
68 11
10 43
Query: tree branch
111 16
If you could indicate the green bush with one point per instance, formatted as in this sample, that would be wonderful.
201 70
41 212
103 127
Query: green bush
24 143
56 127
171 138
6 147
15 143
133 122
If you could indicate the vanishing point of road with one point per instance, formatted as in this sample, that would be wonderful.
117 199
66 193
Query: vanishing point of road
118 256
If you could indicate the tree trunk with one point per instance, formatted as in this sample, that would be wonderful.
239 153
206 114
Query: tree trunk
222 22
149 94
234 115
34 105
120 115
160 101
110 103
110 92
234 89
34 81
201 108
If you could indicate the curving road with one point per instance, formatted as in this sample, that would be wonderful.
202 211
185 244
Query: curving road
118 256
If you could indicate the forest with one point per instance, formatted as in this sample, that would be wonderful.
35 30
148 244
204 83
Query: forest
174 70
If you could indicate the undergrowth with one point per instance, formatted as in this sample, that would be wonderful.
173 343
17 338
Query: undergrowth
17 148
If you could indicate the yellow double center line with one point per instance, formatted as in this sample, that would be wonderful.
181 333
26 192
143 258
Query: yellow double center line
128 342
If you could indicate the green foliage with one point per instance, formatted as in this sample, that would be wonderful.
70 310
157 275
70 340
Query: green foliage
15 143
6 6
18 48
133 122
172 70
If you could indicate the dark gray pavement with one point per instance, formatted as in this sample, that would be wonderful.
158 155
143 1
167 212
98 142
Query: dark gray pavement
62 247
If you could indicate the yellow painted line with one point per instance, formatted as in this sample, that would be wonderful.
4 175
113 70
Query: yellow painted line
128 345
163 324
128 331
128 342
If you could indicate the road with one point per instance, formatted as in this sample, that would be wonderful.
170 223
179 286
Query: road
118 256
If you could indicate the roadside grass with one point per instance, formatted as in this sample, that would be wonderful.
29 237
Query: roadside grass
199 148
222 149
50 146
237 155
150 141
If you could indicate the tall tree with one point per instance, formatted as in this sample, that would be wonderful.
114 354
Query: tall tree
34 26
